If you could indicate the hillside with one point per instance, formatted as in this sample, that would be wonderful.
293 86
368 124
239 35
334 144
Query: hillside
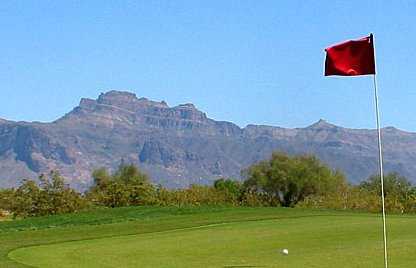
180 145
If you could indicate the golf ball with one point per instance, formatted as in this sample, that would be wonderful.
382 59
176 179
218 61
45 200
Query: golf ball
285 251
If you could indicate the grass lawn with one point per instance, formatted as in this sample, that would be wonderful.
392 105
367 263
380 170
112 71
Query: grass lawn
206 237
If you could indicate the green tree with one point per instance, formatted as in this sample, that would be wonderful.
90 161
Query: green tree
289 179
51 196
25 199
130 175
231 188
399 193
6 199
101 177
394 185
127 186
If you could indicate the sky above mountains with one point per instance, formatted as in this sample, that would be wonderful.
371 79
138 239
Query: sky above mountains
241 61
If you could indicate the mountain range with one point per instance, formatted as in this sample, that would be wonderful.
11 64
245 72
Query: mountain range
178 146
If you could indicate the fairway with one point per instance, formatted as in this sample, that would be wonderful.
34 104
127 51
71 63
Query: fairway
313 240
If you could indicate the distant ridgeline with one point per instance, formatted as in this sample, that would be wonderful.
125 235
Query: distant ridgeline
180 145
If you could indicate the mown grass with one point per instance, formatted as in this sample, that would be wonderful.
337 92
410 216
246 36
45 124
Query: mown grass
115 222
126 237
101 216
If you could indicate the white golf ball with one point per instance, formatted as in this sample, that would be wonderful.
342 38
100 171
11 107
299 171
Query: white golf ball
285 251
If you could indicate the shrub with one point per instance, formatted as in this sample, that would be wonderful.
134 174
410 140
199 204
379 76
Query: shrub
400 196
289 180
126 187
52 196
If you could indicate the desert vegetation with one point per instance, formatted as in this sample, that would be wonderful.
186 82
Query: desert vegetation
283 180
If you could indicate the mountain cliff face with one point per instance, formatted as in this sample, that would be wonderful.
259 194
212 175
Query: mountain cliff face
180 145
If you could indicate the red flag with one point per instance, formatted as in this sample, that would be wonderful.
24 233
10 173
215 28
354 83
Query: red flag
354 57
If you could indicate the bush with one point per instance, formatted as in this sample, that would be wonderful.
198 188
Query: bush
52 196
231 189
256 199
128 186
5 199
400 196
195 195
288 180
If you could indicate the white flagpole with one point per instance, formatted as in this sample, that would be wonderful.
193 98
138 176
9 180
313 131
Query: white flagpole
380 156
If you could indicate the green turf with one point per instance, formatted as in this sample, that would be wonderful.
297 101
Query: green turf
207 237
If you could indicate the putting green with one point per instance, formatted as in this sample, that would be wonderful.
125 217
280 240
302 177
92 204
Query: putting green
312 241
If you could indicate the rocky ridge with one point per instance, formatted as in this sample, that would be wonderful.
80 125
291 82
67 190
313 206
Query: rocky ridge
180 145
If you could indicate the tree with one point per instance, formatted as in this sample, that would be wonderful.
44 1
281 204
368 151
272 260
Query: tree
399 193
127 186
394 185
6 199
289 179
232 189
52 196
25 199
231 186
101 178
131 175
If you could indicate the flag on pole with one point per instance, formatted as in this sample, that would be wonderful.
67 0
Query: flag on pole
350 58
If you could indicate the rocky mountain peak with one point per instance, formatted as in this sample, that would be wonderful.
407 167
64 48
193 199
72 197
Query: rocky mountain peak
116 94
126 108
117 98
321 124
121 99
392 129
187 106
127 100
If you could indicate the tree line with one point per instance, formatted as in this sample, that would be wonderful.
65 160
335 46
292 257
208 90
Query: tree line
282 180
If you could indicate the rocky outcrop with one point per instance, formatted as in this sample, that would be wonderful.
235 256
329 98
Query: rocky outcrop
180 145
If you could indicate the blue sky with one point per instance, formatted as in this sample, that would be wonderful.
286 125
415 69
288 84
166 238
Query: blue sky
257 62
